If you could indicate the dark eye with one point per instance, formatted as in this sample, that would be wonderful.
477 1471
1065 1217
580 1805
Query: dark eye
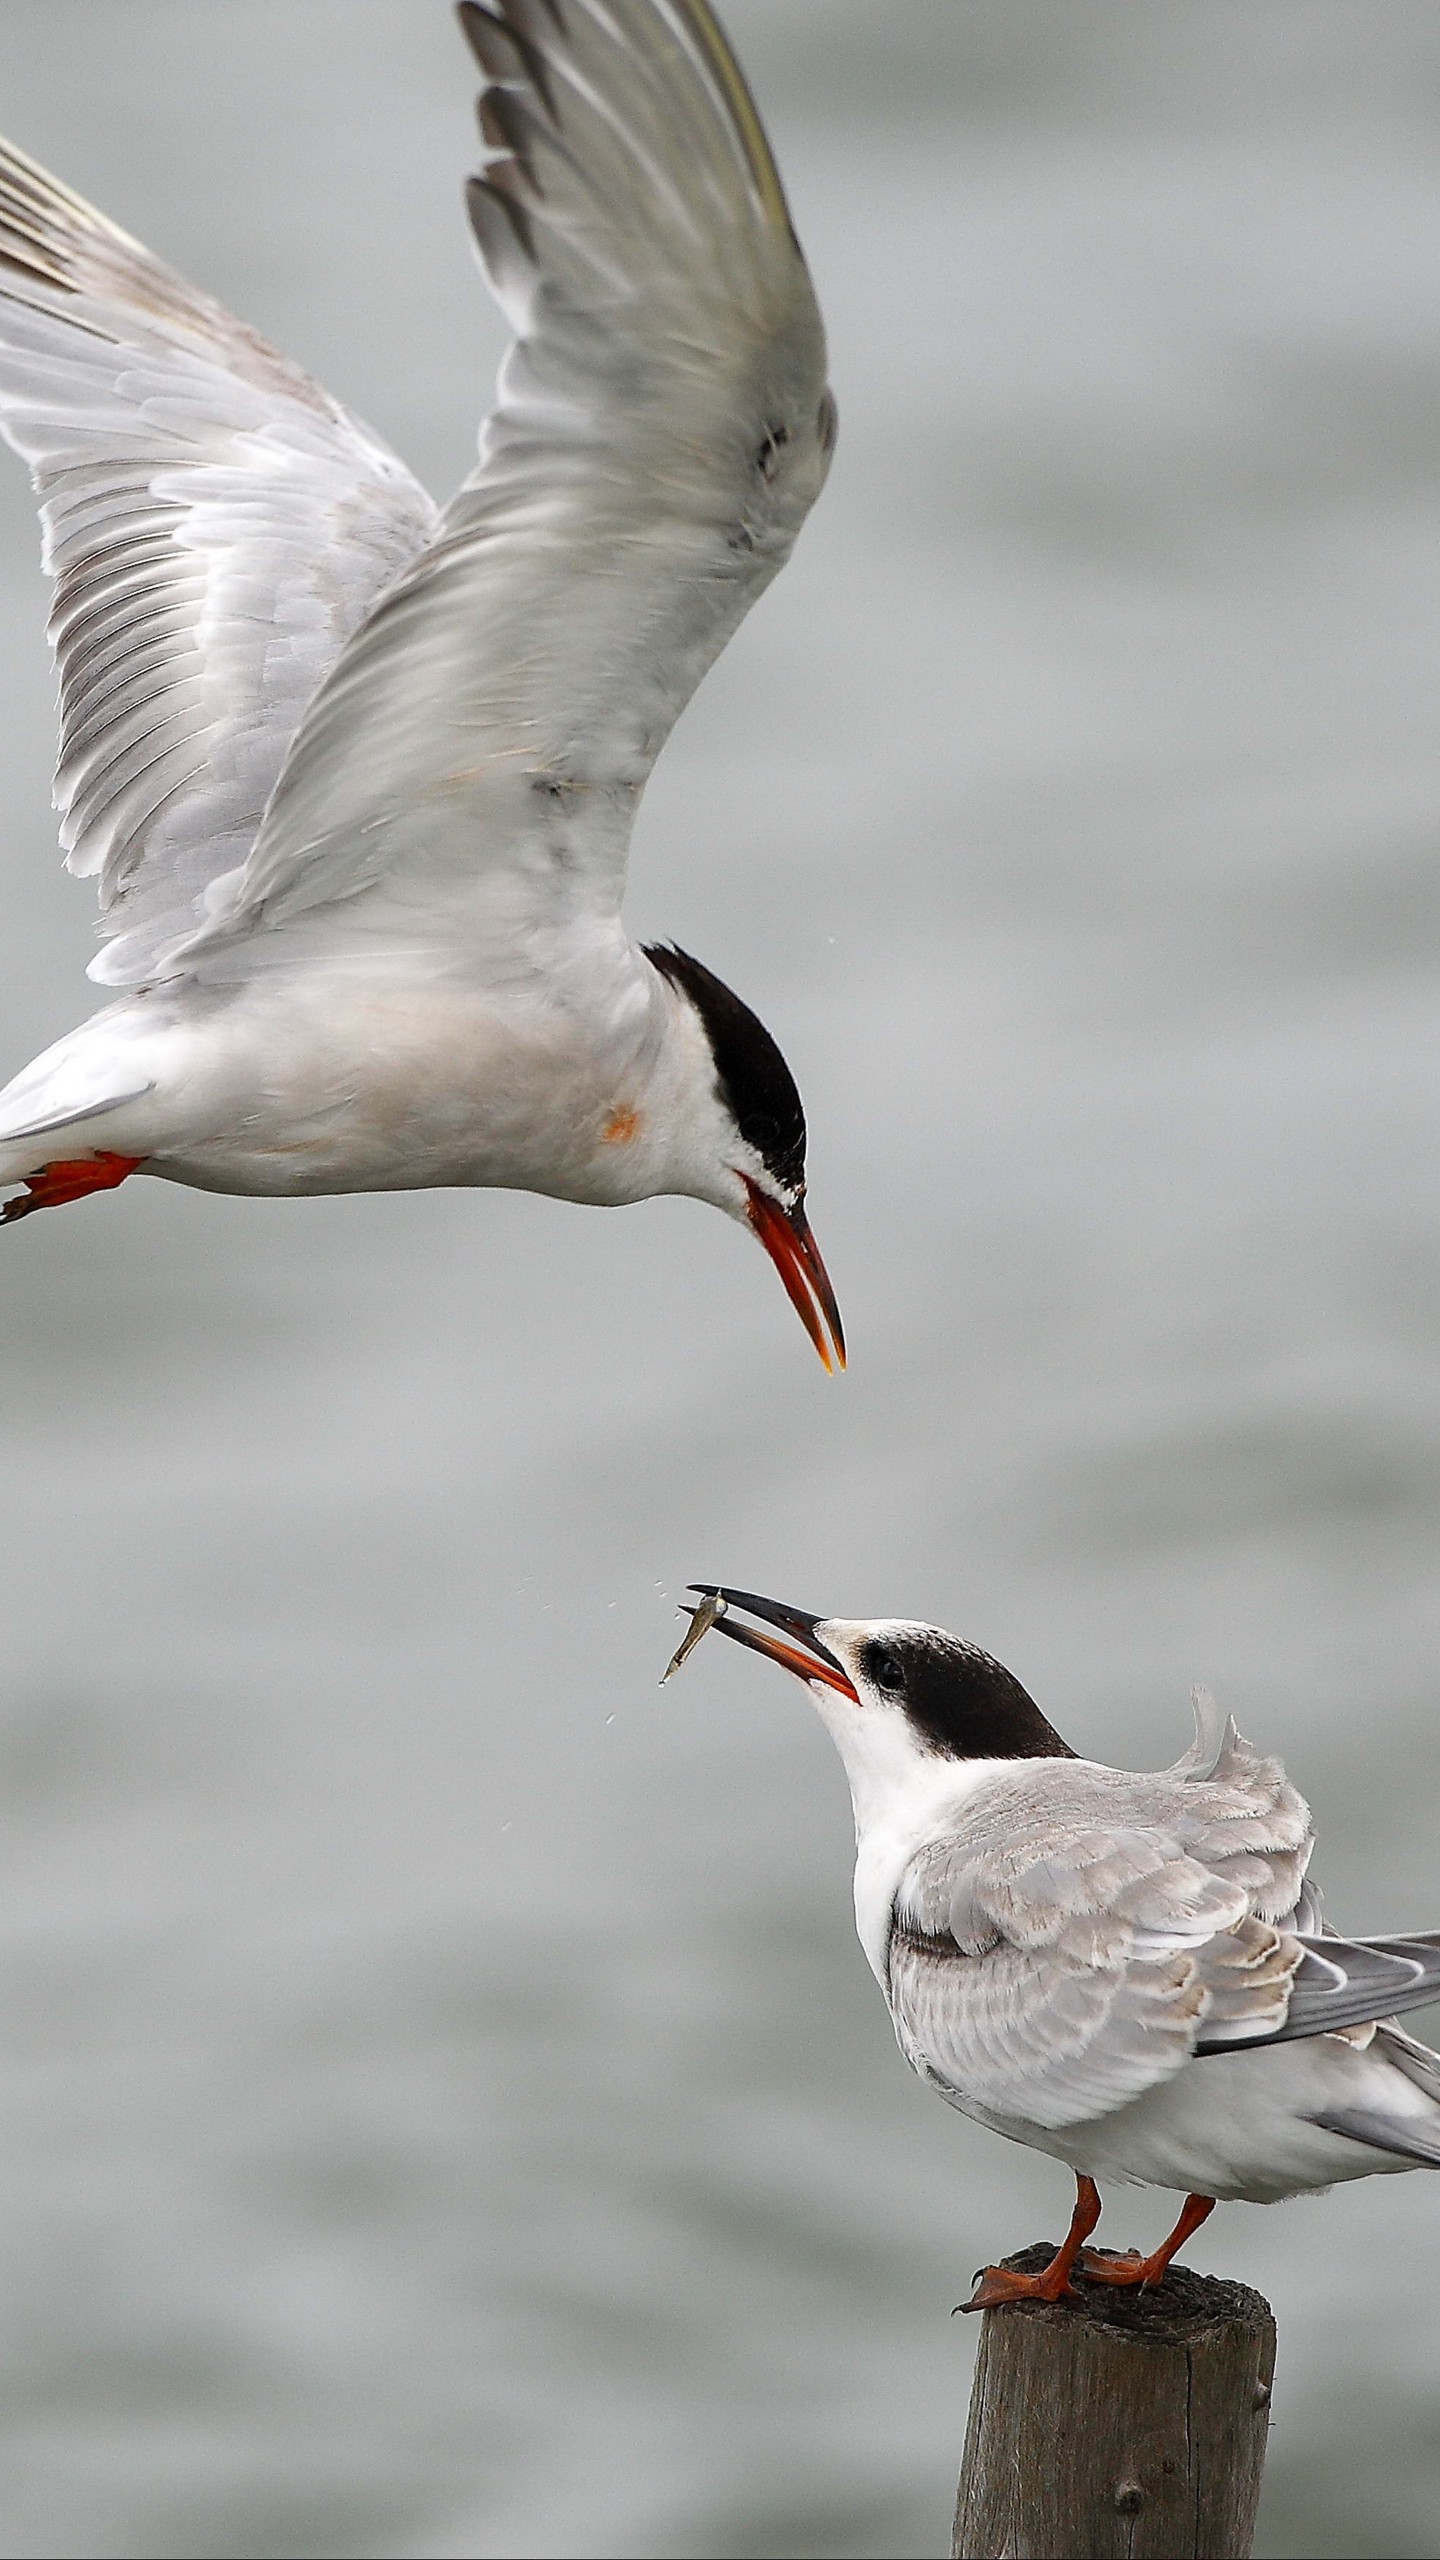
888 1672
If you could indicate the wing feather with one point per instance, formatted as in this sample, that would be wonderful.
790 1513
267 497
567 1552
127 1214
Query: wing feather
1064 1945
1079 1934
1342 1982
216 527
661 429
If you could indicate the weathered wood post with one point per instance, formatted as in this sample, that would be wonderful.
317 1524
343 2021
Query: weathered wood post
1119 2426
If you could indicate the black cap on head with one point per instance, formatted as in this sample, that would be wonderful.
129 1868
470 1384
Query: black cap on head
961 1703
754 1081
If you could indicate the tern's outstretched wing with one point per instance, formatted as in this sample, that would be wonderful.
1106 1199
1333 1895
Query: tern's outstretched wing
473 764
1068 1944
216 526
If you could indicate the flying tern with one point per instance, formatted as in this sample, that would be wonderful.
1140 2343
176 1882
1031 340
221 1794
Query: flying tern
1127 1971
355 776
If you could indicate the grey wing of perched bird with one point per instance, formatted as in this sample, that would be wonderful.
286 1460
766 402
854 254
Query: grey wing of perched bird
473 764
216 526
1342 1982
1336 1982
1059 1951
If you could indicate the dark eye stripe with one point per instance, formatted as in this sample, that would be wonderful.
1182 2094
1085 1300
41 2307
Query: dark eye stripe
957 1700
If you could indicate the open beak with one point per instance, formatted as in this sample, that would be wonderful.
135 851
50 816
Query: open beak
808 1658
785 1234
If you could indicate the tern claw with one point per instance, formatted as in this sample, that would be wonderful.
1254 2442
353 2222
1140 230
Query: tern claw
1051 2283
999 2285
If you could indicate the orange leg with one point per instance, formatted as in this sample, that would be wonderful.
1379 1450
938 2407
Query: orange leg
1002 2284
1107 2267
56 1184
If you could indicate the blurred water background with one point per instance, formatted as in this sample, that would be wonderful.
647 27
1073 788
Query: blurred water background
444 2109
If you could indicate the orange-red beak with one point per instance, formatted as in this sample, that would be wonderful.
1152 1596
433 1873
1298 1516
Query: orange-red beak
785 1234
809 1659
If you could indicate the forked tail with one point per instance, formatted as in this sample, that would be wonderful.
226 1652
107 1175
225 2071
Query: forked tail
57 1115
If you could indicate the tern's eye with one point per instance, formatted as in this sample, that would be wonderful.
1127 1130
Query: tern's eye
888 1673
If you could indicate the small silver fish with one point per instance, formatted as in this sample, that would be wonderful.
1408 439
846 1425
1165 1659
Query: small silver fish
702 1619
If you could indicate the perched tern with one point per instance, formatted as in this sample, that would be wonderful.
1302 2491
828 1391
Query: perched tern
356 777
1127 1971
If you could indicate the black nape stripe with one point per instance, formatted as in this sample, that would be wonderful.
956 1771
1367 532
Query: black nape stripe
753 1078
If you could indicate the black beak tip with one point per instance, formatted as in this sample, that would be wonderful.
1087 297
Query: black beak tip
714 1602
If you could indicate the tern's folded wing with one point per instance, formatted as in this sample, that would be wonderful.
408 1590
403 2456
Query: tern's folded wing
1066 2019
1065 1946
216 527
1341 1982
662 429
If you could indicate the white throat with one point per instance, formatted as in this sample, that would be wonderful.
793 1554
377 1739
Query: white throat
903 1798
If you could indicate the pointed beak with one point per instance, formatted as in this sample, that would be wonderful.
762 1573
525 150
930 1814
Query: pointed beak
808 1658
785 1234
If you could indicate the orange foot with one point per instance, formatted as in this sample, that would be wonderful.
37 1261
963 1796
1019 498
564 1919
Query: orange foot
1120 2266
54 1185
997 2285
1110 2266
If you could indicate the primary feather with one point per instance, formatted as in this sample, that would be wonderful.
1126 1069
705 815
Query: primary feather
661 430
286 678
216 526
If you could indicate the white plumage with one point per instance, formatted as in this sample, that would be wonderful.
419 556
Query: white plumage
357 778
1127 1971
217 528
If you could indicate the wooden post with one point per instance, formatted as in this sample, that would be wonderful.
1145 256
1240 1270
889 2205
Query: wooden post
1119 2426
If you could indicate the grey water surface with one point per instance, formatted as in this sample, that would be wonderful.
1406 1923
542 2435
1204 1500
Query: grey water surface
443 2109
